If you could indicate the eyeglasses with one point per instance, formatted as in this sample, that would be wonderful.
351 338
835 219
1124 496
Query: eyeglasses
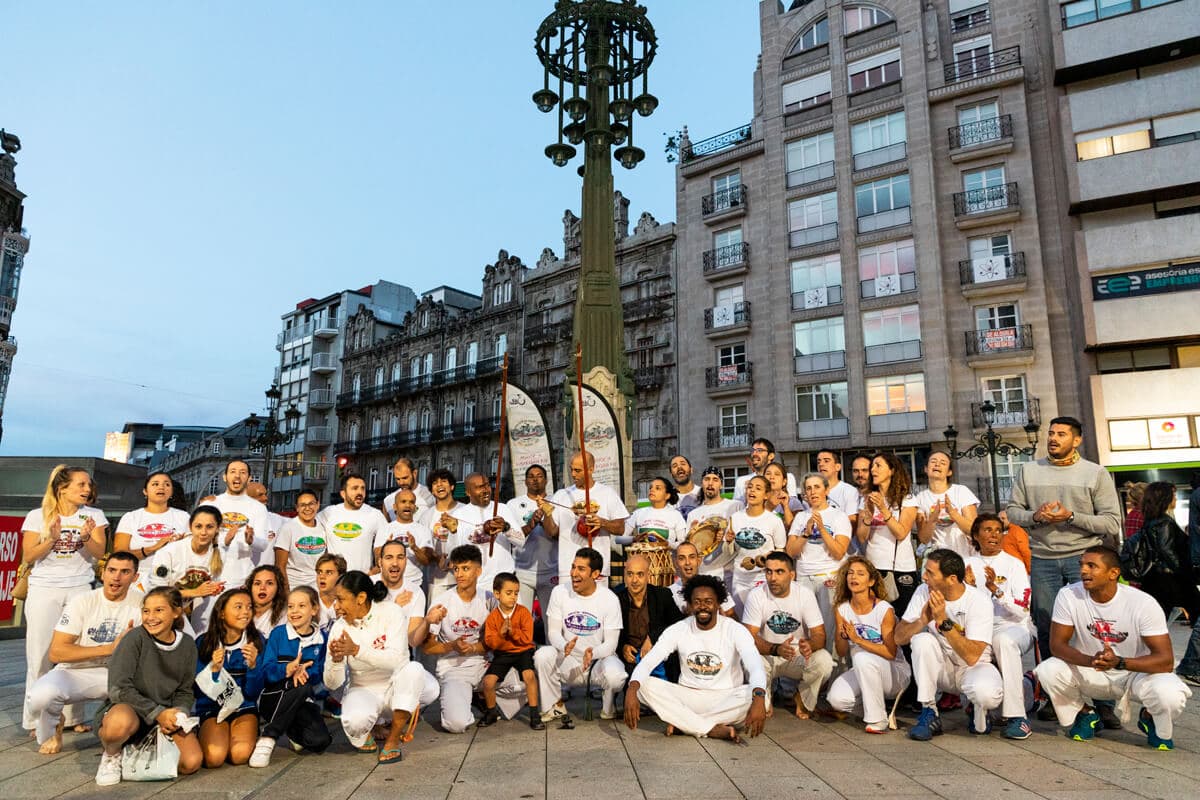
306 505
759 450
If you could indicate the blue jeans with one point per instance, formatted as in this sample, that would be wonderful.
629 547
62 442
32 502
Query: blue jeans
1046 577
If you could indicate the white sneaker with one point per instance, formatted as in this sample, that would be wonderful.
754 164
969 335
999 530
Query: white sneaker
109 772
261 757
558 710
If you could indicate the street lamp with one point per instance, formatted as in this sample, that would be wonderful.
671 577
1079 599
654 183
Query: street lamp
989 445
272 435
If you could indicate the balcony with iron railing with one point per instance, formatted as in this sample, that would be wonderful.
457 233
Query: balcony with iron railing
647 378
977 65
644 308
727 318
977 275
546 395
323 363
715 144
987 205
731 259
1008 413
983 490
731 437
320 398
814 235
539 334
980 136
1010 345
647 450
723 203
729 378
346 447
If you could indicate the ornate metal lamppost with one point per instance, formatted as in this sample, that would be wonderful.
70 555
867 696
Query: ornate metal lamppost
268 433
989 445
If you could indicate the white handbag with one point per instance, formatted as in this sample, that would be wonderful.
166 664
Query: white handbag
222 690
154 758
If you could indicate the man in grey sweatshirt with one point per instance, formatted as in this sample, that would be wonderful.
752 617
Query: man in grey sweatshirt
1067 504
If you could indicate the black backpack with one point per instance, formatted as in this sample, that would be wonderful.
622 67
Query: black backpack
1138 557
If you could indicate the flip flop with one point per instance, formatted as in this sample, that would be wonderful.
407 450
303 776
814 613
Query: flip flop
369 746
411 728
392 756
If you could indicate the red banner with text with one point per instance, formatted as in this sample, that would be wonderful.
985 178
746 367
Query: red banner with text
10 559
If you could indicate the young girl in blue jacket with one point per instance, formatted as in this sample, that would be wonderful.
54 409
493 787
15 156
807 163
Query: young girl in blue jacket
294 661
233 646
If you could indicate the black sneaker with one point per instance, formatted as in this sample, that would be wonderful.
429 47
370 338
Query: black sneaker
490 717
535 722
1045 711
1188 677
1108 717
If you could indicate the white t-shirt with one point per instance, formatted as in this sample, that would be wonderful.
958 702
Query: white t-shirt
430 518
739 486
945 533
754 537
238 511
845 498
869 626
971 613
815 558
677 592
179 566
1123 622
95 620
146 529
664 525
688 500
595 619
470 531
1012 606
304 545
538 553
463 620
415 535
717 659
610 506
352 533
882 548
424 500
778 618
327 616
267 555
718 559
415 607
67 563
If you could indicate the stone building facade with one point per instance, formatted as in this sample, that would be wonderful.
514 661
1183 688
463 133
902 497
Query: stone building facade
429 389
14 244
877 250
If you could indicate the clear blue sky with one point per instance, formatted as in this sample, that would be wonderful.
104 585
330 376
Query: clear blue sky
194 169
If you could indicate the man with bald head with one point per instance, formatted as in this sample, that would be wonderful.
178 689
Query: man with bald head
646 611
605 519
687 565
259 492
481 521
405 474
416 538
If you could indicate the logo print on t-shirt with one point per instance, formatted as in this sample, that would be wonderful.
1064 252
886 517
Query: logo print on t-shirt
749 538
380 642
581 623
155 531
872 635
814 534
467 627
105 632
478 536
311 545
782 622
1102 629
703 664
232 520
69 542
347 530
194 577
653 531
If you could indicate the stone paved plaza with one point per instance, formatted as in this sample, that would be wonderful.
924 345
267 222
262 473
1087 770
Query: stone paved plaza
605 759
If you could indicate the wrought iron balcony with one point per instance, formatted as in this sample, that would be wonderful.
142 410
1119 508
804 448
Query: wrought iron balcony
1008 414
731 437
732 376
728 199
999 340
350 398
646 378
990 198
731 256
974 271
346 446
547 333
645 308
647 450
715 144
973 65
980 132
728 315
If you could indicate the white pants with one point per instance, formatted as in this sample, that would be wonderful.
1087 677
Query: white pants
60 686
43 608
824 594
809 674
554 669
459 684
1009 644
980 684
536 584
366 705
867 684
696 711
1163 694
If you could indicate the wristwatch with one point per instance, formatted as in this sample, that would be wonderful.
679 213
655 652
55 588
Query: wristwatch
946 625
1120 662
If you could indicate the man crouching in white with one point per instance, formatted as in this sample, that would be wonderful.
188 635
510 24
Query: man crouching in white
368 653
711 698
1110 642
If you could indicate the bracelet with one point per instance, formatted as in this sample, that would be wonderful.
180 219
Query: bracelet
760 693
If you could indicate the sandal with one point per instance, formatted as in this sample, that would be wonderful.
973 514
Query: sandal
411 728
390 756
369 746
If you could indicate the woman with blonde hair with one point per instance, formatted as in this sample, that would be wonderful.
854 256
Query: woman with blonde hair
61 541
866 628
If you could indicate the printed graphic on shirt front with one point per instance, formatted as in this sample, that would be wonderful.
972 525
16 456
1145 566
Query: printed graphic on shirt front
866 632
465 628
705 665
104 633
380 642
814 532
69 542
581 623
1103 630
154 531
194 578
749 538
311 545
478 535
652 531
347 530
233 521
783 623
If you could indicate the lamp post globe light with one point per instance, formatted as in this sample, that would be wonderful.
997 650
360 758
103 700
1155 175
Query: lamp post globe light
595 55
267 433
989 445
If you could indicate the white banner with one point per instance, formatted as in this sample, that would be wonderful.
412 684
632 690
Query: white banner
528 440
601 437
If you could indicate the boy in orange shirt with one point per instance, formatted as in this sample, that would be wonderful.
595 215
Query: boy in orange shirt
508 633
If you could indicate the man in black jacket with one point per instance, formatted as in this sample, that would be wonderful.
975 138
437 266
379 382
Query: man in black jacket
646 611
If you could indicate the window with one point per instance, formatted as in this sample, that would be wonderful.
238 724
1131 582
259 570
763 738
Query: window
728 295
412 420
356 383
727 247
814 35
896 403
501 344
734 418
984 190
874 71
892 334
817 282
884 203
991 258
819 344
414 367
1007 468
451 359
397 371
973 57
822 410
428 366
373 479
1176 128
394 425
1134 360
967 14
995 318
806 92
887 269
448 415
810 159
424 322
507 291
426 420
979 112
1112 141
469 413
1007 394
1084 11
812 219
497 294
379 376
733 355
496 405
727 191
878 140
354 431
472 352
859 18
729 477
377 427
